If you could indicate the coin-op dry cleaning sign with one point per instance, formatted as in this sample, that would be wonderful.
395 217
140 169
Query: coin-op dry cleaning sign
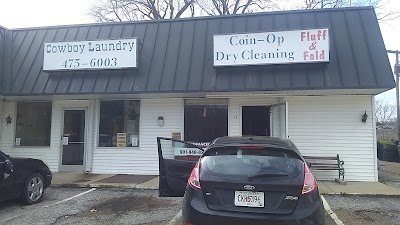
297 46
83 55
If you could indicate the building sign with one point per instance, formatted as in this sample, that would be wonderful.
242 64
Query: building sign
121 139
298 46
82 55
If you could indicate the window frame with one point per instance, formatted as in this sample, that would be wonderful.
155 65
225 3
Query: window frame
98 102
15 125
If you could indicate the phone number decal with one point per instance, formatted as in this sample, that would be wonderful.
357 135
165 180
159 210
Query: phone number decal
188 151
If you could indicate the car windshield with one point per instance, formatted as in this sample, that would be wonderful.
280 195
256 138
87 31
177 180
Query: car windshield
252 163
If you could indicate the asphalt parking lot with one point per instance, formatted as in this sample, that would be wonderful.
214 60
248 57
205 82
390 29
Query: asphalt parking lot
101 206
123 206
359 210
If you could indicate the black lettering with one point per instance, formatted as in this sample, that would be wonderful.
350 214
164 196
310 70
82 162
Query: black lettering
131 45
61 48
90 47
118 46
104 47
271 38
111 47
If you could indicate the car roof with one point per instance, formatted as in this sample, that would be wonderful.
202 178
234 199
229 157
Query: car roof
254 140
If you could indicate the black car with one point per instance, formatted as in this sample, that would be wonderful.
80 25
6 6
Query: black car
240 180
23 178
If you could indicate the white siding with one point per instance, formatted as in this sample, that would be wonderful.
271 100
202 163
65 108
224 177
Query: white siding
319 125
51 154
48 155
325 126
331 125
142 160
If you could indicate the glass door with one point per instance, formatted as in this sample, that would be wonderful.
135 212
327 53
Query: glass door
73 140
279 125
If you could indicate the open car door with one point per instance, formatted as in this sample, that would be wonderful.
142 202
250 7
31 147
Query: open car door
176 161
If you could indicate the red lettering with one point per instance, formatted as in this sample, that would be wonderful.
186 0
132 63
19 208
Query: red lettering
324 34
322 55
303 35
314 55
320 35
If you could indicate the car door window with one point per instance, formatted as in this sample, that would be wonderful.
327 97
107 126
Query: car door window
174 149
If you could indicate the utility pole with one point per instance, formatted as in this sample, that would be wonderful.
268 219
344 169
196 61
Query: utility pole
397 72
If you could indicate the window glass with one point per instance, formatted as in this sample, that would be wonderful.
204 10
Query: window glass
33 124
205 120
119 123
237 161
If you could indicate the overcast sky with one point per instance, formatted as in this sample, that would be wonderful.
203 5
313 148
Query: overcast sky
34 13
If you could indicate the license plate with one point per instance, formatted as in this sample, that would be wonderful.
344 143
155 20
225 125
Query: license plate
249 199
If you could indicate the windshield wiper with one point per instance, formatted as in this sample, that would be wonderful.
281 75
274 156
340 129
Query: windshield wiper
267 175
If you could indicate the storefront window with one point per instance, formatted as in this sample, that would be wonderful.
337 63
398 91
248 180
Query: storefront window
119 123
205 120
33 124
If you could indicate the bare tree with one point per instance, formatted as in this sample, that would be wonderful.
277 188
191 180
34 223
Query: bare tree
228 7
379 5
384 112
130 10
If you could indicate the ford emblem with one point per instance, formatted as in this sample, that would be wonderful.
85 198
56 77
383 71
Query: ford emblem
249 187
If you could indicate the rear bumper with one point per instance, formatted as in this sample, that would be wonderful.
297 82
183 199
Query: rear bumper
196 212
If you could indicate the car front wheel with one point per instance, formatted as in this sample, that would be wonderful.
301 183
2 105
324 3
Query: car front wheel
34 189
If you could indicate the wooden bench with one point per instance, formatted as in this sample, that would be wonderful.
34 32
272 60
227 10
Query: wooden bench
327 163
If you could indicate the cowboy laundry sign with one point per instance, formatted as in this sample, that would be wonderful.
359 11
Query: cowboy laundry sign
298 46
81 55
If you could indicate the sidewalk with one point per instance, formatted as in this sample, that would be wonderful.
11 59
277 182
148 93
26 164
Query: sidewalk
357 188
73 179
70 179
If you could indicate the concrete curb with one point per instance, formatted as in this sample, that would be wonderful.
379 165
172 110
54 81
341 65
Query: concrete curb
363 194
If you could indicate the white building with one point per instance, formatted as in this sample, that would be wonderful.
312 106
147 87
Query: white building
65 101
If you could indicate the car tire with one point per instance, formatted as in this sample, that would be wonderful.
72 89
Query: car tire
33 189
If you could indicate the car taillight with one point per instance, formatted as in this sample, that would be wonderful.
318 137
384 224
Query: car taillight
310 184
194 179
